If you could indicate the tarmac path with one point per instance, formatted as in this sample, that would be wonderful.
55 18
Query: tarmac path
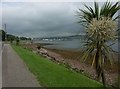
15 73
0 64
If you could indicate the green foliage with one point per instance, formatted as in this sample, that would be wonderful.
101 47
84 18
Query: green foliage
2 34
107 10
11 37
101 28
17 41
25 38
50 74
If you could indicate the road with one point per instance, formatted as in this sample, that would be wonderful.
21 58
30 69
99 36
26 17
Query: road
0 64
15 72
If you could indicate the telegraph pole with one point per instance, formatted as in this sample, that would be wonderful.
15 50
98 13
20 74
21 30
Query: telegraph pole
5 32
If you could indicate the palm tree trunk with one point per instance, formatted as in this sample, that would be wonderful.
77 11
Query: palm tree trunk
99 70
103 77
97 59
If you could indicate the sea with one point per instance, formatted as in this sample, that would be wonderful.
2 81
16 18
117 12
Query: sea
73 43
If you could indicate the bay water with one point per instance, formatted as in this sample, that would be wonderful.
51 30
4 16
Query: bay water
74 44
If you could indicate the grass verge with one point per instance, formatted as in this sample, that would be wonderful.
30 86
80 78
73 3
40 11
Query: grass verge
50 74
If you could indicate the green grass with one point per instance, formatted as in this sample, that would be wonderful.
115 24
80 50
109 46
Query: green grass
50 74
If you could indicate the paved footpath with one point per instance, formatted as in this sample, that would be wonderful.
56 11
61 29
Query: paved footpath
0 64
15 72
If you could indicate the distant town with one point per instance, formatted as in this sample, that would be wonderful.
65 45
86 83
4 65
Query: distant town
61 37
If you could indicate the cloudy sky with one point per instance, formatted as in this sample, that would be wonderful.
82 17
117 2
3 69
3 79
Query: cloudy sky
42 19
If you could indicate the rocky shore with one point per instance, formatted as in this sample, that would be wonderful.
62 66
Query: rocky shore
72 61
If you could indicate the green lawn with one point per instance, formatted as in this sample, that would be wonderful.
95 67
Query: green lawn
50 74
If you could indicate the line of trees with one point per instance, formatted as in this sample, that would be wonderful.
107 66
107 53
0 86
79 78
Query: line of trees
10 37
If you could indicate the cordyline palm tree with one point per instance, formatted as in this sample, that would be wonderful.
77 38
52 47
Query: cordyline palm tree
101 27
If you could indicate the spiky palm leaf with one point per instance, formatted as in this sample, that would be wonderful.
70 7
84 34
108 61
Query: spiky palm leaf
107 10
96 43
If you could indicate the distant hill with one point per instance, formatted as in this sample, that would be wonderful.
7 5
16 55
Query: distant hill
62 37
10 37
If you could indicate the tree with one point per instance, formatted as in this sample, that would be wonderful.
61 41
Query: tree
107 10
25 38
100 28
11 38
2 34
17 41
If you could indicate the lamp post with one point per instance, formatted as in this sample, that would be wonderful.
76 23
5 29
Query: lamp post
5 32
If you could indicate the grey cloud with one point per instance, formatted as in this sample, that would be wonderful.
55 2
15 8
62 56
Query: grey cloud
41 19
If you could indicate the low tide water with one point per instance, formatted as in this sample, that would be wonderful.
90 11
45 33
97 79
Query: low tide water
70 44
